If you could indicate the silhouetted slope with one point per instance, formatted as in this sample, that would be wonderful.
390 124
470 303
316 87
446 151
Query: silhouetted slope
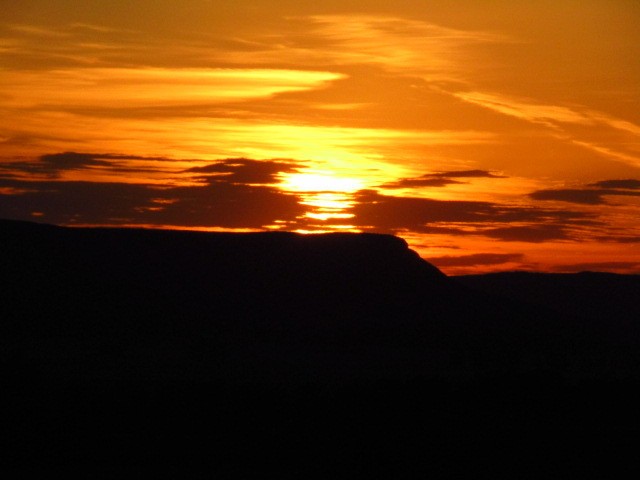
593 295
143 336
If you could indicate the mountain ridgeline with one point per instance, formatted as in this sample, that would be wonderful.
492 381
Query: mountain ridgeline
179 333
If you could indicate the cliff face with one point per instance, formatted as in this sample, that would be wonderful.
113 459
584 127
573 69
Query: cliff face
214 277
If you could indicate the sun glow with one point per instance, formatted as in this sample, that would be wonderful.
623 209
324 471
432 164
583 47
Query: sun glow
327 200
328 196
328 205
320 182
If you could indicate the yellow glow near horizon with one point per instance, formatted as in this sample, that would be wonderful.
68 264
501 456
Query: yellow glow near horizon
327 200
327 194
328 215
333 229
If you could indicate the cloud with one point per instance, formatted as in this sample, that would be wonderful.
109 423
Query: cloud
529 233
475 259
581 196
37 31
223 200
467 174
233 93
630 159
621 267
559 118
248 193
245 171
545 114
423 181
395 44
96 203
70 161
439 179
493 220
146 86
620 239
393 41
593 194
53 165
227 205
527 110
631 184
393 213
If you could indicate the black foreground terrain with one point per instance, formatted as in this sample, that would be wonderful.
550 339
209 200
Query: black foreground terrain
301 353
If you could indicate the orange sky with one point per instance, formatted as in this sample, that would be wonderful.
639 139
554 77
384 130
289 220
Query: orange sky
491 135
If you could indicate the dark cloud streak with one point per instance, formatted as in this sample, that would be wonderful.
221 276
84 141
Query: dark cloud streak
227 200
593 194
52 165
581 196
476 259
626 267
245 171
631 184
530 233
440 179
392 214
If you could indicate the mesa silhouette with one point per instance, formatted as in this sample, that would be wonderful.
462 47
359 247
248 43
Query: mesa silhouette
120 331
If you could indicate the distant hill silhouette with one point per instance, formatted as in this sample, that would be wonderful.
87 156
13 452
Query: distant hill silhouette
594 295
136 335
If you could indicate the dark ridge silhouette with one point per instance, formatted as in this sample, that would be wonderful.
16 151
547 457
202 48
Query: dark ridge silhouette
599 296
154 342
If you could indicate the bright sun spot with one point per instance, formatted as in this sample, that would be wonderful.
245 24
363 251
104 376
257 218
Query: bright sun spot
328 196
319 182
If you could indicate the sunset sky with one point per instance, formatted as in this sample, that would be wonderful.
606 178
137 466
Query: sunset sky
491 135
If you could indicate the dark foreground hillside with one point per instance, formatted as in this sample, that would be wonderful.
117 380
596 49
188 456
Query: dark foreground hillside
275 350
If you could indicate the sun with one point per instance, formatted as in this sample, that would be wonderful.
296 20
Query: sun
319 182
327 196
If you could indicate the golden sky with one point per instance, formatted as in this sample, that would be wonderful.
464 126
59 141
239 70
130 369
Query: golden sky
491 135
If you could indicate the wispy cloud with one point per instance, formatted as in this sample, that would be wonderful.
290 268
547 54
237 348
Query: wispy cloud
245 171
591 194
439 179
560 118
548 115
38 30
630 183
476 259
96 167
367 153
629 159
151 86
395 43
231 193
620 267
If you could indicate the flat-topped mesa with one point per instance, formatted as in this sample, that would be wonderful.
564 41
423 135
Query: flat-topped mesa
342 252
281 251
